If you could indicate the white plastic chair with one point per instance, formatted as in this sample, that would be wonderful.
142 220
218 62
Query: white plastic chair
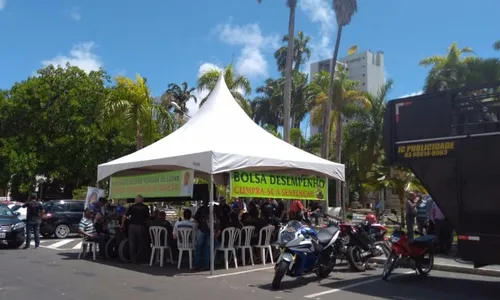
185 242
227 246
244 243
156 233
264 243
85 248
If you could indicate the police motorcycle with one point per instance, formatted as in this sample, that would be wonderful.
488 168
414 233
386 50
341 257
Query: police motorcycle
304 251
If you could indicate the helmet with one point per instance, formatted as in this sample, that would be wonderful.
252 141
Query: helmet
371 218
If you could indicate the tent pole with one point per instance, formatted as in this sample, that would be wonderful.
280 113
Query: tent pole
211 221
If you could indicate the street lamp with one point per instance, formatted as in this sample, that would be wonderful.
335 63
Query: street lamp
41 180
178 108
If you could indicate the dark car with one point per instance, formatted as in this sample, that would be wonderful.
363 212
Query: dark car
61 217
11 228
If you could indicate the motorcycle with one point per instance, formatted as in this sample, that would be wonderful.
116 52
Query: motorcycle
304 251
417 254
365 241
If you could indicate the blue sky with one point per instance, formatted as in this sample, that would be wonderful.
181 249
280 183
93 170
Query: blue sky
174 40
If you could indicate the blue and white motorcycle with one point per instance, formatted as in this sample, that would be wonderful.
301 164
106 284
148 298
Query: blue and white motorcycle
305 251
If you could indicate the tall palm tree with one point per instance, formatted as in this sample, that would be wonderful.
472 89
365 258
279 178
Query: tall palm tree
265 107
238 85
363 138
345 95
301 52
181 95
131 101
496 45
344 10
447 71
292 5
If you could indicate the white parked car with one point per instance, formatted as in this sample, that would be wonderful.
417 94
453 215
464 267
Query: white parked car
18 208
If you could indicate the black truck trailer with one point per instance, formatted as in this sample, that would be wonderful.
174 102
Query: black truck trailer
451 142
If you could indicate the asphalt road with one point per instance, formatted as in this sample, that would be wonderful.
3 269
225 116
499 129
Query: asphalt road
47 274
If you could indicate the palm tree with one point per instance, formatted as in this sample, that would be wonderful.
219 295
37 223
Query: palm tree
345 95
447 71
292 5
131 101
363 138
266 109
481 70
180 95
401 180
344 10
496 45
301 52
237 84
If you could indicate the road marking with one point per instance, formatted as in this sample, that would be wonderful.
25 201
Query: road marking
240 272
352 285
60 243
78 246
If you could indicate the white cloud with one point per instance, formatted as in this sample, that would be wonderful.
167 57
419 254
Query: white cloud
412 94
75 13
321 12
251 62
3 3
81 55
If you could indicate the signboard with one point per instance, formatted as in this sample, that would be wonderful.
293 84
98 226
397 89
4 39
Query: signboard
163 184
425 150
93 195
264 185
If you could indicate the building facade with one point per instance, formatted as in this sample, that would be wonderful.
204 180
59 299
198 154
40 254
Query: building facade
365 67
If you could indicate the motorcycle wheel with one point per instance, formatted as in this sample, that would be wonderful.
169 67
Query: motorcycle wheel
279 273
356 262
390 265
424 269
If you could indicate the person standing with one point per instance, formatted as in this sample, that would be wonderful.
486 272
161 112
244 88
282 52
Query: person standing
411 213
422 215
138 215
34 212
443 233
202 217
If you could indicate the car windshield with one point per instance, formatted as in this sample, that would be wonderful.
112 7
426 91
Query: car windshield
15 207
5 211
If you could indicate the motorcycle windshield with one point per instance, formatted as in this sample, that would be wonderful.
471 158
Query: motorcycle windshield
290 232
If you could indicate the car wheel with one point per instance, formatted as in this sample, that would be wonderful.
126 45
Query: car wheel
61 231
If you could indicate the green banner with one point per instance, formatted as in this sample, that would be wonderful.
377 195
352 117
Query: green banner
265 185
163 184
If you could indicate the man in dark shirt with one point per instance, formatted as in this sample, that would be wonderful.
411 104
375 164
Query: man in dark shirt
315 209
202 248
279 211
224 212
138 215
34 211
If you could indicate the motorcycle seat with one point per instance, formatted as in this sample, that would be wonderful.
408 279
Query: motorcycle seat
326 234
424 239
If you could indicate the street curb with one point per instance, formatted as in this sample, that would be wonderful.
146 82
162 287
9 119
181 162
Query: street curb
451 268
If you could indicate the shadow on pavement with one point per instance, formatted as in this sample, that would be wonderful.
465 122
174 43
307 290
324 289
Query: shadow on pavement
410 286
168 269
289 284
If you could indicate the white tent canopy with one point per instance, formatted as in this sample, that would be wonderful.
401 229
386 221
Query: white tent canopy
221 138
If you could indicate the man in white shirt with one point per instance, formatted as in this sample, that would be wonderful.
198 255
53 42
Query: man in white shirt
187 187
185 223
